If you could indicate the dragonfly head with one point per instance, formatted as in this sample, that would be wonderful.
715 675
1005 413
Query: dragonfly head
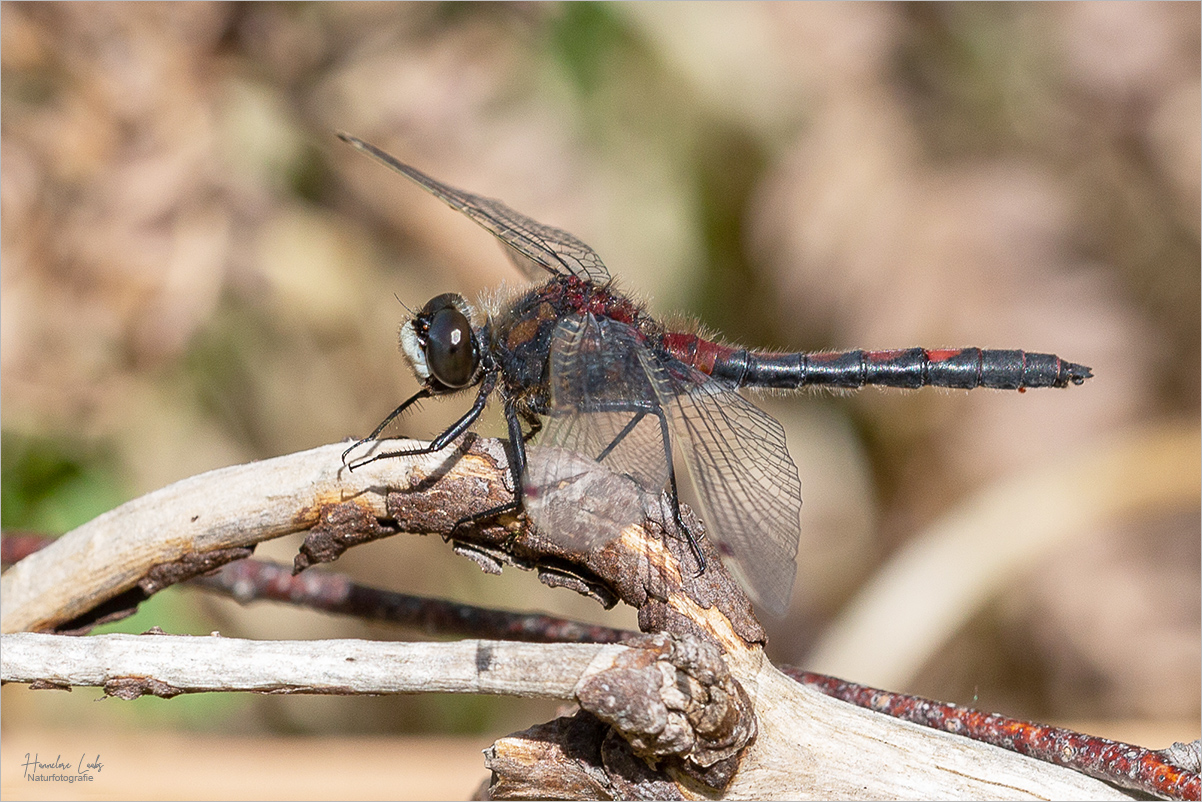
441 345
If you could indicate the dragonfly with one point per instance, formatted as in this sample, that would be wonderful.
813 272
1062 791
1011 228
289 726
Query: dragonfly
584 372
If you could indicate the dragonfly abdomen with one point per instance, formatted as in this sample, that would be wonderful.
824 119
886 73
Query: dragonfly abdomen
963 368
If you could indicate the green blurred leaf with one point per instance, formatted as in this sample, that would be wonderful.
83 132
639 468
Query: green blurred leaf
53 486
587 39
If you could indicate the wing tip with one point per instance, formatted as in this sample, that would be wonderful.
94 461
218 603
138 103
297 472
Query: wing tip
350 139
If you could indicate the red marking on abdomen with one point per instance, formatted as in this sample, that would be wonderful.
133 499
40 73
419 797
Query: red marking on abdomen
696 352
941 354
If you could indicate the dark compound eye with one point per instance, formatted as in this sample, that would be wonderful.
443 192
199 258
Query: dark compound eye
449 352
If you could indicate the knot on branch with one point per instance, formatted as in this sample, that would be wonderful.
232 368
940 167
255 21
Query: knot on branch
129 688
674 698
338 527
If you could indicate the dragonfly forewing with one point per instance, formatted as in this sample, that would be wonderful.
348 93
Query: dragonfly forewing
537 245
575 501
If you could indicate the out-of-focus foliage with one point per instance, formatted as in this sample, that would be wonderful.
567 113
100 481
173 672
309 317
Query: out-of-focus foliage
196 273
44 489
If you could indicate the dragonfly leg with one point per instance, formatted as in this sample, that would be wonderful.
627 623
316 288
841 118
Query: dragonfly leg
517 468
622 435
534 422
674 495
422 393
641 410
443 440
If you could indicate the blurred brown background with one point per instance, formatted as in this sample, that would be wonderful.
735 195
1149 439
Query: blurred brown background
197 273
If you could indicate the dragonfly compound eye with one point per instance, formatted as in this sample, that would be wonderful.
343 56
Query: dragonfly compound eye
449 350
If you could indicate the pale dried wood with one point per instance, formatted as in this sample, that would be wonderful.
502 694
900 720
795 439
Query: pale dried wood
807 746
201 664
226 508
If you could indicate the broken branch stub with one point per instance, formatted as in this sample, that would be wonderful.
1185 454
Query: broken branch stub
674 699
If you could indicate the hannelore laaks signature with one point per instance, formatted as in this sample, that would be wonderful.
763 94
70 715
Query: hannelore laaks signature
32 764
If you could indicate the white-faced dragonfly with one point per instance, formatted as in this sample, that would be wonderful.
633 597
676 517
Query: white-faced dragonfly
591 374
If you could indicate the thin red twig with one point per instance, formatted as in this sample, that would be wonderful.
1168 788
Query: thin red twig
248 580
16 546
1122 764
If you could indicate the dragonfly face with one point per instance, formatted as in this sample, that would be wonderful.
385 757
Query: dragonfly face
441 346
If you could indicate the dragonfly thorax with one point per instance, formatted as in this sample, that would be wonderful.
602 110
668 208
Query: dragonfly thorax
441 346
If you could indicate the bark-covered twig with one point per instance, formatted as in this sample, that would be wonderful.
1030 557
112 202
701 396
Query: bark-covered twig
1126 765
1154 772
249 580
1122 764
17 545
1159 773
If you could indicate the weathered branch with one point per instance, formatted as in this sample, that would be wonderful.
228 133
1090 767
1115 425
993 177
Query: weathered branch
807 746
198 524
671 715
184 664
1170 773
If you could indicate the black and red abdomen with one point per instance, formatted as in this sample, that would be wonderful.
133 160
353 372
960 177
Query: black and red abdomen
699 353
964 368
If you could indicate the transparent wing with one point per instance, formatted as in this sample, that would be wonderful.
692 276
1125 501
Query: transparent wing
746 481
608 390
603 410
530 245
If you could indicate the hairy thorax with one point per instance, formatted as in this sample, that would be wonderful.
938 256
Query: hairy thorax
523 332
